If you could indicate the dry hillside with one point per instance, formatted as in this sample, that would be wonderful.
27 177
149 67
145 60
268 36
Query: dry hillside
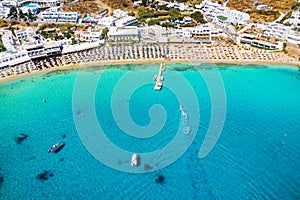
87 6
264 16
95 6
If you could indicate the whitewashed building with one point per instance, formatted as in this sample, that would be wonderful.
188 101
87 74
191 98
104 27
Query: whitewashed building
294 20
137 3
277 31
8 40
8 59
11 2
55 15
107 21
21 34
213 11
205 32
24 34
120 13
123 34
42 3
90 36
4 10
262 7
38 50
179 6
293 38
253 40
153 33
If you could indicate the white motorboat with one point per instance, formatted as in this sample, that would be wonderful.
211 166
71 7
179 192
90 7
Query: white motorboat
135 160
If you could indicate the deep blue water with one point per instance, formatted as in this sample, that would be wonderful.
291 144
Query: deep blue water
256 157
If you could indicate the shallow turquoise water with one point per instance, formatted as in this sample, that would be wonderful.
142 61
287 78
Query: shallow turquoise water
257 155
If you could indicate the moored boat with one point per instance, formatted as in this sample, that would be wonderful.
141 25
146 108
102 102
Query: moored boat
56 147
135 160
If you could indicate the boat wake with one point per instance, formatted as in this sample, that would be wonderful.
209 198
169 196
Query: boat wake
184 119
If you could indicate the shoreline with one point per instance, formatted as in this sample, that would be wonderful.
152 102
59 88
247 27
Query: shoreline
217 63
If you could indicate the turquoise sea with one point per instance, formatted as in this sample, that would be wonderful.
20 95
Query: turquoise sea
256 156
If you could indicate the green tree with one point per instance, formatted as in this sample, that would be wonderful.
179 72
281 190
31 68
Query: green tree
167 25
104 33
13 12
284 45
175 14
144 2
30 15
21 14
198 17
74 41
2 47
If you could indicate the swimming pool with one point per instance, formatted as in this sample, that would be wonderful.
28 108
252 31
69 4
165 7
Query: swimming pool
31 5
88 19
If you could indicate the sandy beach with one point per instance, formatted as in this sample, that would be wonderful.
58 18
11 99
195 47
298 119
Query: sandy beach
122 54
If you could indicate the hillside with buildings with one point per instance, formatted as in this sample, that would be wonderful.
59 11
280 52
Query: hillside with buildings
35 29
261 10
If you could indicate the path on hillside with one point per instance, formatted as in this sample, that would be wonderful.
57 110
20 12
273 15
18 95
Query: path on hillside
280 17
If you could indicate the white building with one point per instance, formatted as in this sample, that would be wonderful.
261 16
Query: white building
8 40
179 6
45 2
253 40
120 13
11 2
137 3
277 31
205 32
237 17
24 34
55 15
182 33
107 21
21 34
8 59
262 7
293 37
294 20
153 33
123 34
37 50
125 21
90 36
4 10
213 11
41 3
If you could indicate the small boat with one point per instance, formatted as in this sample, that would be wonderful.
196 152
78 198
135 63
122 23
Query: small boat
158 85
56 147
135 160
